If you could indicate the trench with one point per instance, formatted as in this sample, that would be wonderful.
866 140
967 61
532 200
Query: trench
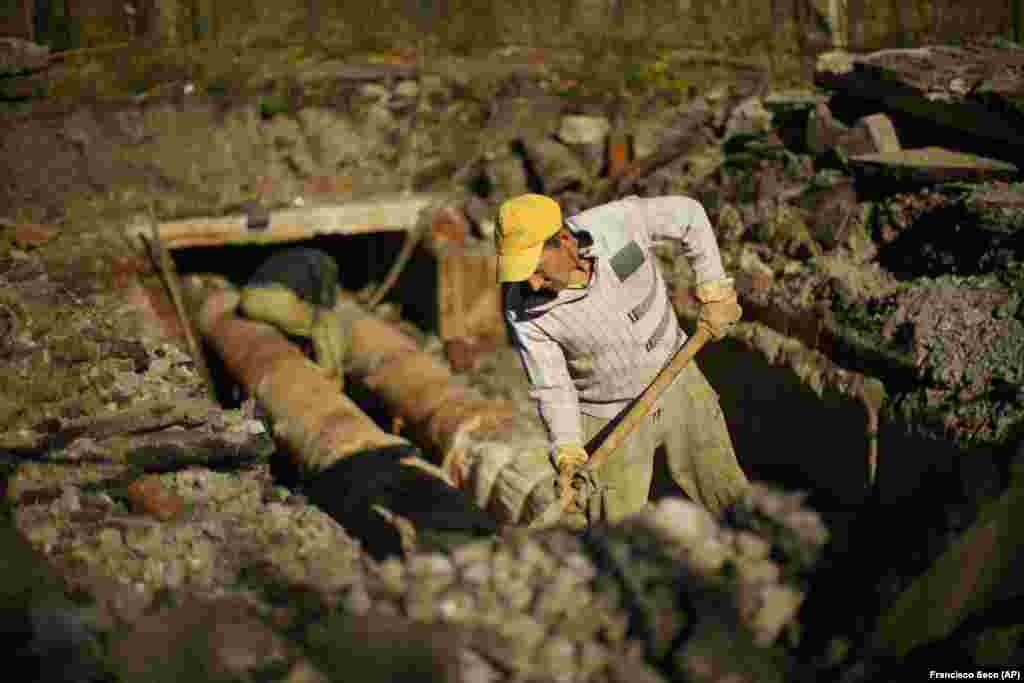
926 490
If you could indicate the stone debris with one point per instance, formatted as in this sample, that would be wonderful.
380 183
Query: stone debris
506 174
28 235
148 495
545 605
588 137
870 134
19 56
555 165
750 116
531 600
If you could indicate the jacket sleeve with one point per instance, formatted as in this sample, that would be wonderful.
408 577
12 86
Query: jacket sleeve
550 385
683 221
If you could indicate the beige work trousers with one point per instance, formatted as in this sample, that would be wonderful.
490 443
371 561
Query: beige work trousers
688 421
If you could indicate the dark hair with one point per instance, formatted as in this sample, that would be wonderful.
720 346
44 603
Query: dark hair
555 240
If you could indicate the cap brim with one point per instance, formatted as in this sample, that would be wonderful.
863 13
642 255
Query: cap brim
520 265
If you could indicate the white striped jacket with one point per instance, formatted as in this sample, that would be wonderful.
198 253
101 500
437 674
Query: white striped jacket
593 349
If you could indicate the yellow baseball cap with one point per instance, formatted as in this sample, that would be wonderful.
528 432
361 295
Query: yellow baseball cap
524 223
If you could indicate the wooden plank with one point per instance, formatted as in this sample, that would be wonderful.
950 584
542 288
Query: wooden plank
452 322
389 213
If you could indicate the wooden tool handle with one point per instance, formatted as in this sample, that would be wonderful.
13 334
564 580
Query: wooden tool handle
636 412
643 403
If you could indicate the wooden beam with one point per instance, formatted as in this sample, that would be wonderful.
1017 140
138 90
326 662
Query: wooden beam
390 213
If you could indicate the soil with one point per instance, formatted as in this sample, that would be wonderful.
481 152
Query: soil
156 503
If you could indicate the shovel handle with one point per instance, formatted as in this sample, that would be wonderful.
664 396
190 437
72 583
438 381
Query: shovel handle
634 414
642 405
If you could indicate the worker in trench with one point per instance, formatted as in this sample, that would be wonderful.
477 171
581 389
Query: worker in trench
589 313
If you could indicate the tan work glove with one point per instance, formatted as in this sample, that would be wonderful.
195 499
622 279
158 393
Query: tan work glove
330 342
719 308
568 458
281 307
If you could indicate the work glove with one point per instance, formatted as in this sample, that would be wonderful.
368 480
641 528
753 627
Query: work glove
330 342
568 458
281 307
719 308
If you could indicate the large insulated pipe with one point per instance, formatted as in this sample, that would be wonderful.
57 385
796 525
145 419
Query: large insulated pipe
486 447
312 417
372 482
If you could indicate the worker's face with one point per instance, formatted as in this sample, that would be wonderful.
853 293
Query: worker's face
556 265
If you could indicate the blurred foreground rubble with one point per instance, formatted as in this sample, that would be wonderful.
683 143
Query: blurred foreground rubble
668 594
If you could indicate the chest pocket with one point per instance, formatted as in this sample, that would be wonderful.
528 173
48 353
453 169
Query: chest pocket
626 264
627 260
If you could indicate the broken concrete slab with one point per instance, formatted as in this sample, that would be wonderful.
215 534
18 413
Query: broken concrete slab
880 131
554 164
587 136
869 134
928 165
974 93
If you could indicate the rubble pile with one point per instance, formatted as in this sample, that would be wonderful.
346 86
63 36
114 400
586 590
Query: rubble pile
874 233
655 598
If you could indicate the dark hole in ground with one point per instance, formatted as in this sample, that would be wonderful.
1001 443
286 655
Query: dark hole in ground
927 491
